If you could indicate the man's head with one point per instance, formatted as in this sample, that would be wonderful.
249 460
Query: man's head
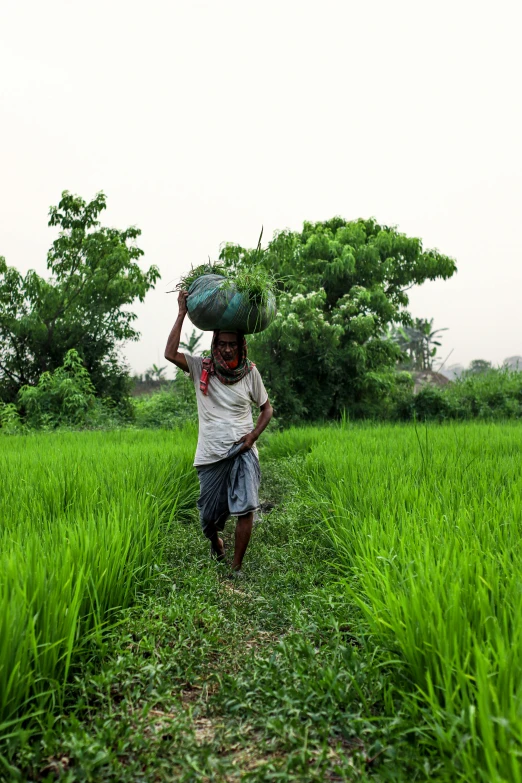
227 344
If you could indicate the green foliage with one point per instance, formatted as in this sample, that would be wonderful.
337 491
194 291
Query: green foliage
479 366
10 421
250 272
66 398
155 373
258 681
493 394
341 285
418 343
427 526
431 402
167 408
83 521
63 397
84 305
191 343
255 281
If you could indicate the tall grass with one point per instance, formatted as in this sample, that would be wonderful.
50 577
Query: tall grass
428 528
82 519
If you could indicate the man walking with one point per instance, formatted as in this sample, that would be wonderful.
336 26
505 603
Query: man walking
227 462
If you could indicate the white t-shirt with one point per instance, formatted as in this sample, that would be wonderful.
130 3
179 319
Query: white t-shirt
225 414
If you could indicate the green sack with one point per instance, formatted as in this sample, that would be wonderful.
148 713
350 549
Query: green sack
213 305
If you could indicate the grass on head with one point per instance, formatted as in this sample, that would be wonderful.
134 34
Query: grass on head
210 268
250 276
255 281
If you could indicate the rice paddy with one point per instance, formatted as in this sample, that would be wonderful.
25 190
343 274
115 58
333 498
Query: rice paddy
427 526
83 516
410 537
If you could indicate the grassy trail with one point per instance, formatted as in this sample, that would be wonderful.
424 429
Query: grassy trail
268 679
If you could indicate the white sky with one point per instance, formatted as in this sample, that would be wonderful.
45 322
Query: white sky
203 120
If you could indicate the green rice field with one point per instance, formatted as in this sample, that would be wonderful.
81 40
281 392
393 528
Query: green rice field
414 539
427 525
83 515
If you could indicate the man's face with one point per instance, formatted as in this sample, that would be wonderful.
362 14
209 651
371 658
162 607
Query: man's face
228 346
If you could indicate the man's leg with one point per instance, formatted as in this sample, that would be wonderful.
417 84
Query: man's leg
218 547
243 533
243 492
213 505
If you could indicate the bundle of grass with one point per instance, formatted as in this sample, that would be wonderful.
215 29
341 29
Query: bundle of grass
210 268
236 296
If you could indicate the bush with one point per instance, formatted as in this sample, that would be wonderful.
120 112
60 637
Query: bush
66 398
63 397
168 408
493 394
10 422
431 402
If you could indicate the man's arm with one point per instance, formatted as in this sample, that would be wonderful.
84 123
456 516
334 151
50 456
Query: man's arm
172 353
262 423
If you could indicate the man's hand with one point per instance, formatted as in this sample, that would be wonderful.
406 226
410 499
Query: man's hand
182 303
172 353
262 422
247 441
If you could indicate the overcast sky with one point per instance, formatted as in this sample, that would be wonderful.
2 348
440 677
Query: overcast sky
203 120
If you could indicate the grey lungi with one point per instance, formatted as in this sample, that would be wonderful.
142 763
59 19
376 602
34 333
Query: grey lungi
229 487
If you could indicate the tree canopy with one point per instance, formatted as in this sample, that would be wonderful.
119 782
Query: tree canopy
94 277
341 285
418 342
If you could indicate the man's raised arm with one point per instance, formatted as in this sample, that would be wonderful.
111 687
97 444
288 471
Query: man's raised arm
172 353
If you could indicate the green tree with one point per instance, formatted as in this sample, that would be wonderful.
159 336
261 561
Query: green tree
94 278
191 344
479 366
341 285
418 342
155 373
